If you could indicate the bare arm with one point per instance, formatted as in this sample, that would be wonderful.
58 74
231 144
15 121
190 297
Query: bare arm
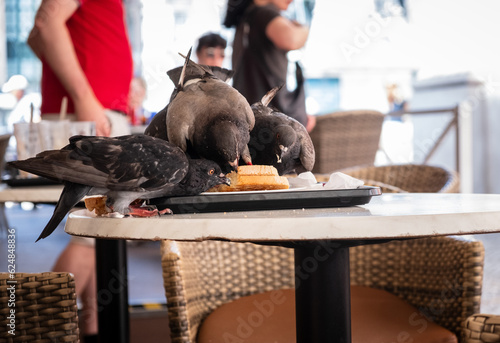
50 40
286 34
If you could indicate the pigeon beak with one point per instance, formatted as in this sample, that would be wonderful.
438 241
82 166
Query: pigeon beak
283 148
224 179
234 164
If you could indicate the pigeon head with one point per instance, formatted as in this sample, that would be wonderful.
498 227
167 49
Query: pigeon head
202 175
284 137
227 143
259 109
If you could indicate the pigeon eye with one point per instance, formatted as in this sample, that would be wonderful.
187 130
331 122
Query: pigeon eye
211 171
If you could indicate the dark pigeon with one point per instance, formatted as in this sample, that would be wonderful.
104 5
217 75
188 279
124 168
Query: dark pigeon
206 117
124 169
280 140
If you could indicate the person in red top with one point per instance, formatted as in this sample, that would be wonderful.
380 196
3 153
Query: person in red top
86 57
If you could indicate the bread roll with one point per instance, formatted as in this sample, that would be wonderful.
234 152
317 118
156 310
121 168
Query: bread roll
253 178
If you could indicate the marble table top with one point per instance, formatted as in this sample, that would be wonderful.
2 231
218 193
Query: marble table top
389 216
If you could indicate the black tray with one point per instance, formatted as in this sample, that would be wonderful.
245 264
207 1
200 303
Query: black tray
29 182
267 200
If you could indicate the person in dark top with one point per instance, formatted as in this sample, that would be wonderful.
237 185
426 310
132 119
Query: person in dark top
262 40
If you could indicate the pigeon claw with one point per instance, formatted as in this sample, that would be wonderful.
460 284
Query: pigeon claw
147 211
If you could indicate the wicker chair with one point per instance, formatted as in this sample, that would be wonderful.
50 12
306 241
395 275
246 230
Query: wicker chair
346 139
416 178
45 308
442 276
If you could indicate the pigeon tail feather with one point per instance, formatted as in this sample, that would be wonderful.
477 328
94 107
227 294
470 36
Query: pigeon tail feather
183 72
58 169
200 67
269 96
71 195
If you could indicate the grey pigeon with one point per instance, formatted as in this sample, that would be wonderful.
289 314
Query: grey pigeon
206 117
280 140
158 125
124 169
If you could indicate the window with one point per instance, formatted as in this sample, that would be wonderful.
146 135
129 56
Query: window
19 15
391 8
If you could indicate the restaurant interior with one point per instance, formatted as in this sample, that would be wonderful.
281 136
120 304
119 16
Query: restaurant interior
406 96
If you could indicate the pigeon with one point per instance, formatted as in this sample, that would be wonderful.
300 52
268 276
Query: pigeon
158 125
279 140
206 117
123 169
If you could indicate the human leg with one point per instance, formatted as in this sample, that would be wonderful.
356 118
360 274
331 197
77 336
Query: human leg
78 258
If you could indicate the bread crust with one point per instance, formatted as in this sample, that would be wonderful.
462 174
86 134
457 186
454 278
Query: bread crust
258 170
97 204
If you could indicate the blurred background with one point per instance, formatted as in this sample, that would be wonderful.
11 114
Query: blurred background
430 55
431 65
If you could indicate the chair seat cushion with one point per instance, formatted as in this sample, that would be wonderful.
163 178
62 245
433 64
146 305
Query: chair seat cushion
377 317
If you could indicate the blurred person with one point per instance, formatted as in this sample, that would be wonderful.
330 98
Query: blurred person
262 40
86 57
16 104
138 115
210 50
395 98
15 87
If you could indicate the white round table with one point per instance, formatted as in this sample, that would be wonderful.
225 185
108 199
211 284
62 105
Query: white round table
324 293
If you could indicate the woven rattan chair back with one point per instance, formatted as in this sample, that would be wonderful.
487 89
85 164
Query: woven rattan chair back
415 178
345 139
442 276
45 308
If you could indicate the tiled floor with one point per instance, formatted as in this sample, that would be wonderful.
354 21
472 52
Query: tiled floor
144 267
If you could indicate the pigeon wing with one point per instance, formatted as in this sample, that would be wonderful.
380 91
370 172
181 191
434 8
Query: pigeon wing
133 163
307 154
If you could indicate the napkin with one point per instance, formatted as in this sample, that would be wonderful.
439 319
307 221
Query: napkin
340 180
337 180
302 180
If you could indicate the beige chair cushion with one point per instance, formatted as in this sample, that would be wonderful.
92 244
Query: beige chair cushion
377 317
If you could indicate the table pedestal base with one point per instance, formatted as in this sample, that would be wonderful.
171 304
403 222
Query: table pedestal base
112 291
322 293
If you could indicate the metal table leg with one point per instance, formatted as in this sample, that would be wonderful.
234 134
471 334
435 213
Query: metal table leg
112 291
322 293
